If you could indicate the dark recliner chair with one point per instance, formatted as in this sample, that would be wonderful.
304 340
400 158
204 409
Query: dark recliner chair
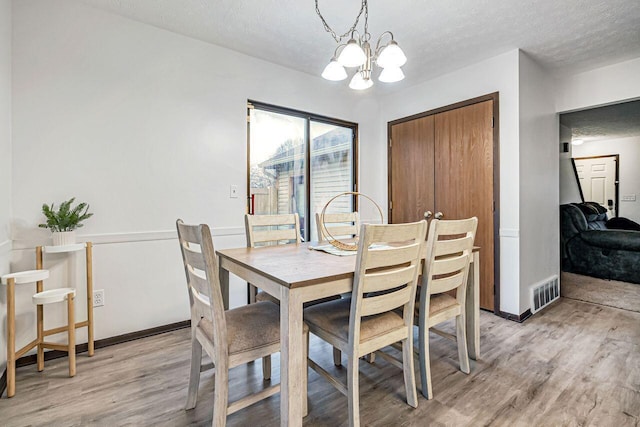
597 247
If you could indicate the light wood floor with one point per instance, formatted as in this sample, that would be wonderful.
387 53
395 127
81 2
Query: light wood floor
611 293
572 364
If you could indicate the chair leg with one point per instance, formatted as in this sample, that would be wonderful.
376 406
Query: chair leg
194 374
71 334
461 337
266 367
221 393
251 293
337 356
409 372
425 365
370 358
305 377
354 391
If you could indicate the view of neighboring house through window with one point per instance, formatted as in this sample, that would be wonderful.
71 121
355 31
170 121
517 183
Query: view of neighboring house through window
298 162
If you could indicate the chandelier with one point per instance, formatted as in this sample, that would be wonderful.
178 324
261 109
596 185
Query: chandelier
357 52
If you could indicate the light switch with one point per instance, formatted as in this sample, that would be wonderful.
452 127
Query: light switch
233 192
629 198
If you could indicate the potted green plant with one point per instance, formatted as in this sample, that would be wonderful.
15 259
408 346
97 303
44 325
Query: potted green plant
64 221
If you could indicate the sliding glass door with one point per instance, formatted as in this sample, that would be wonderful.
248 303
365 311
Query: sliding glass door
298 162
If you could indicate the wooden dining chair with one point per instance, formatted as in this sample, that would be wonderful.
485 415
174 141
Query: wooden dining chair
231 337
385 279
338 225
446 268
266 230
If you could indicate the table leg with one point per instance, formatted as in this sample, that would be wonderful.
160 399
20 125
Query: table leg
224 285
473 308
292 367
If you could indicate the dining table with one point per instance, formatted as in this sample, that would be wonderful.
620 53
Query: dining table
295 274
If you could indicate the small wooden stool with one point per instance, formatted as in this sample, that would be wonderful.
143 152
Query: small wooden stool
40 299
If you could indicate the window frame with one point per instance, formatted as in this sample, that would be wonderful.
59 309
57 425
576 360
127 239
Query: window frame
309 117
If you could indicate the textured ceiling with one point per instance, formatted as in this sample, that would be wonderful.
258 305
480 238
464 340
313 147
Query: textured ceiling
564 36
613 121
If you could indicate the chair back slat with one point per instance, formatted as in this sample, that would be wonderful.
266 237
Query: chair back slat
454 227
450 265
381 257
445 284
388 279
274 229
203 283
340 225
198 281
387 267
448 255
274 236
386 302
447 247
194 258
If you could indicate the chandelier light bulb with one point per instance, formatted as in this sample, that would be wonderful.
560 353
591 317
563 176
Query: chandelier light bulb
391 75
360 83
334 71
391 56
352 55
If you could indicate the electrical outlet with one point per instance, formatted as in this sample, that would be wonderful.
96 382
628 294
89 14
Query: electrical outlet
98 298
233 192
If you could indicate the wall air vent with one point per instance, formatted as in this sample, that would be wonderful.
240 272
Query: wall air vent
544 293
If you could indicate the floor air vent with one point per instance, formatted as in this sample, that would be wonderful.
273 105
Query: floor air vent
544 293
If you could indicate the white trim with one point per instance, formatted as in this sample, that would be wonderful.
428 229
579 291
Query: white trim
509 232
134 236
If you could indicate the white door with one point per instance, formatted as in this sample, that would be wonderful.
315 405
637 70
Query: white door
597 177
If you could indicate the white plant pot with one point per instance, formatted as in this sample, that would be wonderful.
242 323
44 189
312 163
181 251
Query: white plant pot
63 238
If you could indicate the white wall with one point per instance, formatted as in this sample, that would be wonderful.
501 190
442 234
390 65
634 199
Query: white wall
629 151
605 85
147 126
5 160
539 212
498 74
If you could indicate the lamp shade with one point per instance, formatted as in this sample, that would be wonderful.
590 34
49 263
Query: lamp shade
352 55
359 83
334 71
391 74
391 56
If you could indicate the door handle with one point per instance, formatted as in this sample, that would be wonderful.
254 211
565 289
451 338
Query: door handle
438 215
427 214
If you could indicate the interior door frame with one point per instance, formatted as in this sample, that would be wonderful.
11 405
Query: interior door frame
616 183
495 96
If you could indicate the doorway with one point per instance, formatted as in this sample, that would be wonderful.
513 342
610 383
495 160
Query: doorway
598 178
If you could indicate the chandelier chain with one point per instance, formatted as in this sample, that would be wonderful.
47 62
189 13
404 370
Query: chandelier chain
338 38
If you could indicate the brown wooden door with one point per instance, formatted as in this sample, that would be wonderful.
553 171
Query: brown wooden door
444 162
412 172
464 179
